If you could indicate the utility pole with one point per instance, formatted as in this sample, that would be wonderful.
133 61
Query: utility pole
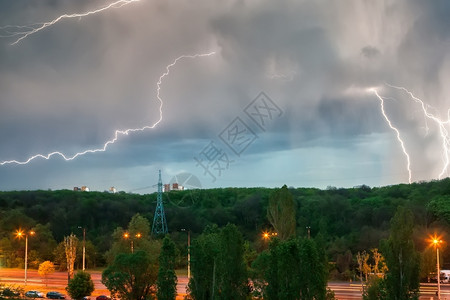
26 257
84 246
188 253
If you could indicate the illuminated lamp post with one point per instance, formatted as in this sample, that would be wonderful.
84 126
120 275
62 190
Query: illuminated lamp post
20 234
436 242
126 236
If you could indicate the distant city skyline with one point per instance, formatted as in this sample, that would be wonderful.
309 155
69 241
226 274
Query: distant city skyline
229 94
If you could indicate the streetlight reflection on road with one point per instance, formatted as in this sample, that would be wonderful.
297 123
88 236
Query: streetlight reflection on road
20 234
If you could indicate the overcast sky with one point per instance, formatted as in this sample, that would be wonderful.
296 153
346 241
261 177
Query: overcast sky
284 99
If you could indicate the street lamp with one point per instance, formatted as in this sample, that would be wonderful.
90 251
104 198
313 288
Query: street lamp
127 236
84 246
189 252
436 242
267 235
308 229
20 234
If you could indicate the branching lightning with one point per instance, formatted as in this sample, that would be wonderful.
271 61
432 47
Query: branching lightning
25 31
117 133
441 123
397 132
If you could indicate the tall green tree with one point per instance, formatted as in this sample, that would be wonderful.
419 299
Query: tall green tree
283 277
204 250
313 271
292 269
428 263
232 277
217 265
281 213
402 260
132 276
167 279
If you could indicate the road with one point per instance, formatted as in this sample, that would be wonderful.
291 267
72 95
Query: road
58 281
54 282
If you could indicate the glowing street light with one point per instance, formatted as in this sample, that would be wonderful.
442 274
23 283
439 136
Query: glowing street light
20 234
436 241
127 236
267 235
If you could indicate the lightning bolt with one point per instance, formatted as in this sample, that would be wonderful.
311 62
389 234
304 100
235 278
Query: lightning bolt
444 134
25 31
441 123
397 132
117 133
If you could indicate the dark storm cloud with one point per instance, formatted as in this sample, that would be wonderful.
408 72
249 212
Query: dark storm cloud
71 85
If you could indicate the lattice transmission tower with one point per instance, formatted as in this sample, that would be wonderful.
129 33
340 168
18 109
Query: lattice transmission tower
159 220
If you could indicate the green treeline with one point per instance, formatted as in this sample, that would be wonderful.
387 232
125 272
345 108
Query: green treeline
347 221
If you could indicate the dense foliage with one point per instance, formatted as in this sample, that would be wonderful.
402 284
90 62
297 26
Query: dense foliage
167 279
80 285
402 259
132 276
218 266
348 220
291 269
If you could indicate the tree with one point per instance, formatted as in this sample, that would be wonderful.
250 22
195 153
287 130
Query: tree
231 274
313 271
132 276
376 289
307 280
80 285
167 279
428 263
283 281
218 266
204 251
402 260
281 213
45 269
70 246
138 237
363 266
44 242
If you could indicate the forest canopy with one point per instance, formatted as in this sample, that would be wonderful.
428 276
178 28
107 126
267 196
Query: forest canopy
347 219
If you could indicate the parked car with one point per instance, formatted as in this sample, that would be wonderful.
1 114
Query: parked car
34 294
55 295
103 297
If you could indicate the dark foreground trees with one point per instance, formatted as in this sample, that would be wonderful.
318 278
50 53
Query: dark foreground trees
403 261
217 264
132 276
167 279
292 269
